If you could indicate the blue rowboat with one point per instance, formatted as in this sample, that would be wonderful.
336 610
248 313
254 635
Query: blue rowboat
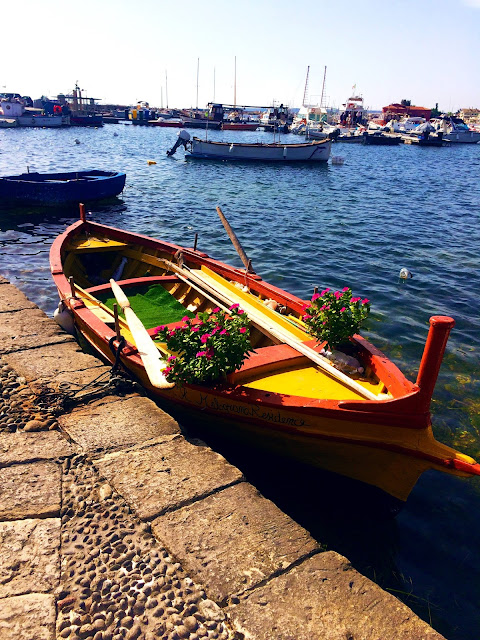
52 189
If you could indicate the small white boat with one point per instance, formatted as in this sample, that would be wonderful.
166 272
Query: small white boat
456 130
315 151
15 110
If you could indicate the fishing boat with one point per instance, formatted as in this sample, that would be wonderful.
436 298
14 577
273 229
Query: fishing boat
425 136
374 426
51 189
380 138
230 125
315 151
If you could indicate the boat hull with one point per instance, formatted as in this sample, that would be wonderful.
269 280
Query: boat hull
462 137
276 152
239 126
386 442
61 189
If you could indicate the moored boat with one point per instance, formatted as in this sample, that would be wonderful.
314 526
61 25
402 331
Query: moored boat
52 189
372 426
315 151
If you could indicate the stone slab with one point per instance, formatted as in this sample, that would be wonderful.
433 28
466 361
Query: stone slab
12 299
233 540
28 617
324 598
28 329
167 475
21 447
114 422
30 490
56 364
29 556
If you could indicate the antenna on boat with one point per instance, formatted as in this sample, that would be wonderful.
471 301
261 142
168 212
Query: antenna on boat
198 71
305 91
166 88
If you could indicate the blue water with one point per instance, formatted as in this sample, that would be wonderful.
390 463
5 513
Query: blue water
355 224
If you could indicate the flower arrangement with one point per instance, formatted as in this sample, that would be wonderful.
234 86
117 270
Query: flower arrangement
207 347
335 316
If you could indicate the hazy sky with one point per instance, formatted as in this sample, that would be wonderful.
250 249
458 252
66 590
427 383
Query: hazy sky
423 50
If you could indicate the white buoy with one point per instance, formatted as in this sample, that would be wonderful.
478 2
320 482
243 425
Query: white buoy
405 273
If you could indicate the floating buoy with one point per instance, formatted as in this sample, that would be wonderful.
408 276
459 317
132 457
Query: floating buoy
115 134
405 273
151 162
77 141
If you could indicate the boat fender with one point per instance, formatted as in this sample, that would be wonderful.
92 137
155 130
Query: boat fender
151 162
64 318
405 273
347 364
271 304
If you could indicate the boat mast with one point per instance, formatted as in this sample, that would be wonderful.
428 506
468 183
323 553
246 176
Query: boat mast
322 97
166 88
198 71
214 84
235 85
304 101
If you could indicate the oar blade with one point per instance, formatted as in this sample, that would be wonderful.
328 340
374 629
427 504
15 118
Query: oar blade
147 350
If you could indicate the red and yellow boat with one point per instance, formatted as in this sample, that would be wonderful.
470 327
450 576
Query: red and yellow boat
374 427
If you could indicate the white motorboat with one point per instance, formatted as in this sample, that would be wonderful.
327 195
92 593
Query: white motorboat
15 110
315 151
456 130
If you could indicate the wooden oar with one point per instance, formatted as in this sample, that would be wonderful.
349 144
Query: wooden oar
147 349
197 281
235 241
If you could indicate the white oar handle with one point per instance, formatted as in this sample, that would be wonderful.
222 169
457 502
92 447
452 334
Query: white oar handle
121 298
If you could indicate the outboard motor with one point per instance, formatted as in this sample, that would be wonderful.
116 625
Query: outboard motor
183 138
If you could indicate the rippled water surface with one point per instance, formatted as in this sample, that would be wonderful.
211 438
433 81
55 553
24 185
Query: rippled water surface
356 224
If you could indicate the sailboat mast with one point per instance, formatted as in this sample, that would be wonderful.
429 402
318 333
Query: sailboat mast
235 85
304 101
198 71
323 86
166 88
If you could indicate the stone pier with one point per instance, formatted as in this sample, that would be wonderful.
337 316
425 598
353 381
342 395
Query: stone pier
115 524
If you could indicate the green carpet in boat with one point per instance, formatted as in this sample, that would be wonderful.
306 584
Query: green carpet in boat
153 304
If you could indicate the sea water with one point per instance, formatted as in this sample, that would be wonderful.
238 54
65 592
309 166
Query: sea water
354 224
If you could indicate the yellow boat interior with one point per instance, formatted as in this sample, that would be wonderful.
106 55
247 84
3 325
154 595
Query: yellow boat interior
159 294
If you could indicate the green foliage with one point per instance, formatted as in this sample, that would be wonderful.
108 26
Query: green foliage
436 111
207 348
406 103
335 316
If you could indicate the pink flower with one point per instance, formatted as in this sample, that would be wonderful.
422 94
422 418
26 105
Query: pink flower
185 319
224 332
234 306
195 329
315 296
324 322
307 316
337 295
365 301
355 300
324 307
345 289
324 292
342 309
216 310
204 338
243 330
172 358
167 370
240 311
201 353
172 333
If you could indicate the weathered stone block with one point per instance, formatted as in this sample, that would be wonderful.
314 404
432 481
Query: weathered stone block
233 540
167 475
55 364
29 447
324 598
29 556
28 617
27 329
30 490
12 299
117 422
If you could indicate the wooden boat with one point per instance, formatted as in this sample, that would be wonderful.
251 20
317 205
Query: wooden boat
374 428
380 138
61 188
239 126
315 151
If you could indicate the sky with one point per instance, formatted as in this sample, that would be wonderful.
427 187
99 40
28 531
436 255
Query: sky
122 52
